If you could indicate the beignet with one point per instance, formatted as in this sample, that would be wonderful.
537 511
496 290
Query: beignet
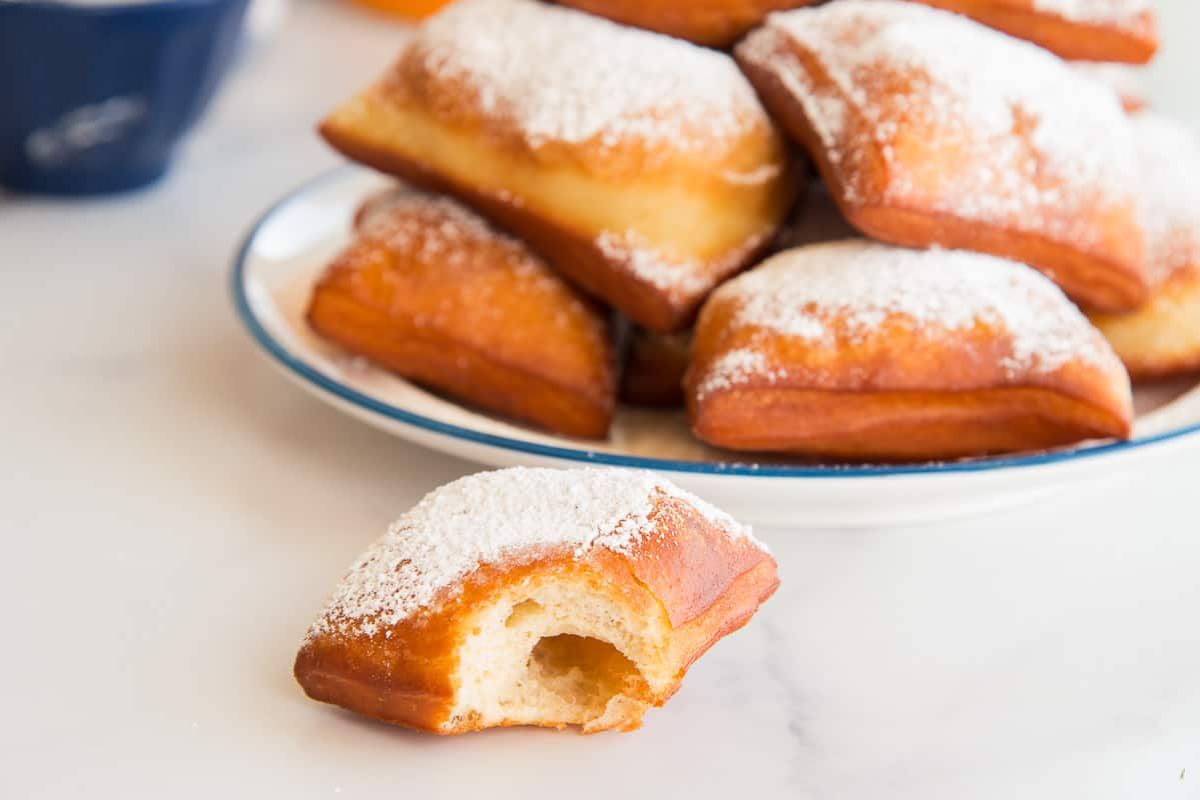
860 350
716 23
431 291
654 368
535 597
642 167
1162 338
1086 30
932 130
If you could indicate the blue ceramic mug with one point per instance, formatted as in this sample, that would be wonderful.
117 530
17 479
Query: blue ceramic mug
94 98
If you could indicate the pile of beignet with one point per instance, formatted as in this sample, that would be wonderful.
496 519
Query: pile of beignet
867 230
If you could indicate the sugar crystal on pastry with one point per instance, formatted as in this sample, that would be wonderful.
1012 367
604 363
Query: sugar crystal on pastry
535 596
970 80
642 167
858 349
430 290
440 230
1094 10
1087 30
494 516
1124 80
557 76
1162 338
930 130
847 290
1169 158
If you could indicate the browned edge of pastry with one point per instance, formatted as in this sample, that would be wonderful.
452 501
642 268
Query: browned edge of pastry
900 426
575 255
475 377
712 23
1094 279
704 583
1072 40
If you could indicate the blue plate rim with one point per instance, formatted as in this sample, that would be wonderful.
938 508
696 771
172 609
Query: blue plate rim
297 367
116 9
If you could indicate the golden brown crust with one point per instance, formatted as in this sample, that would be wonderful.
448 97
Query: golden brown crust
1133 39
716 23
875 409
1102 266
654 368
405 674
703 582
577 252
897 390
611 201
900 426
481 318
574 254
694 564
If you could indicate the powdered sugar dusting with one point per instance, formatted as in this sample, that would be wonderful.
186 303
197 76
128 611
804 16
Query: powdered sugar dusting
735 368
467 261
1094 11
684 279
564 76
437 228
1123 79
845 291
631 251
494 516
1170 159
1014 135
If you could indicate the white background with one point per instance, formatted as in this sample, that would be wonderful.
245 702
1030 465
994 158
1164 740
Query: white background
173 515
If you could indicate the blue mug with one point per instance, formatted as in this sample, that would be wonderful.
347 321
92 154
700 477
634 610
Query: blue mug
94 98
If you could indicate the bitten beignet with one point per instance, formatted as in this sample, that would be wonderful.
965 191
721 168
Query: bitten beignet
716 23
932 130
642 167
860 350
1162 338
1086 30
429 290
535 597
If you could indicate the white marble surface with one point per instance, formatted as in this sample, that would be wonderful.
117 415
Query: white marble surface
173 514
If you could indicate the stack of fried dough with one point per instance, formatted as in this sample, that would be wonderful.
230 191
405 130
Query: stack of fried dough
870 230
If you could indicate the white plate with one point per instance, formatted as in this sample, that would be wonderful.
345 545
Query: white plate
293 241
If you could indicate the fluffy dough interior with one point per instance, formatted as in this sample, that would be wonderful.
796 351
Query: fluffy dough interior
1163 337
558 653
